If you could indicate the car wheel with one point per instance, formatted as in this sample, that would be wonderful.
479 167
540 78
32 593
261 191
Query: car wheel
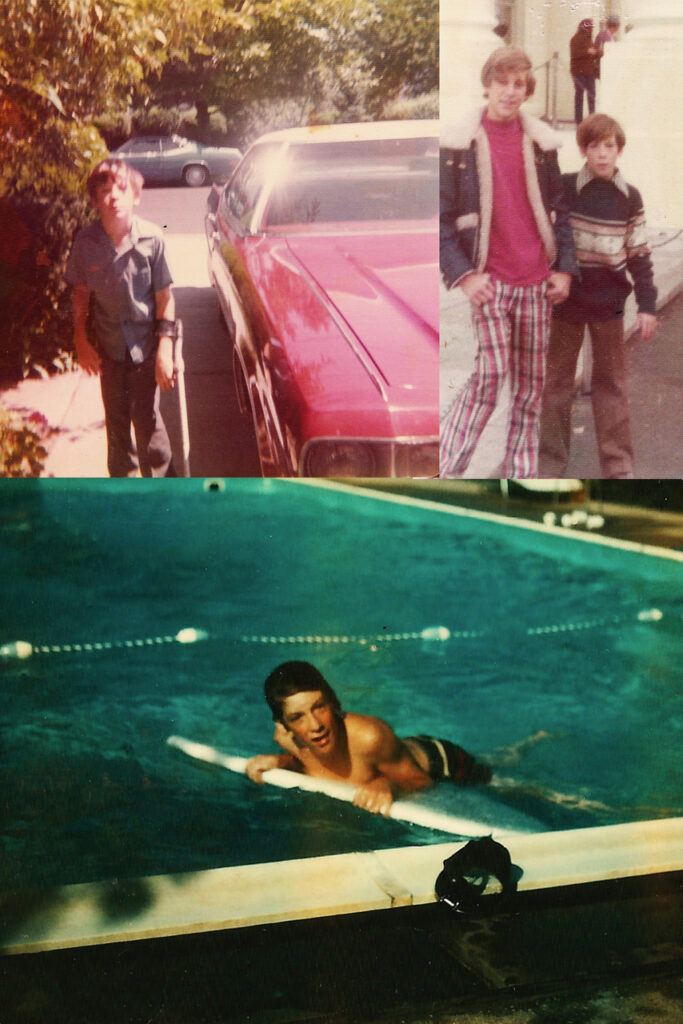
195 175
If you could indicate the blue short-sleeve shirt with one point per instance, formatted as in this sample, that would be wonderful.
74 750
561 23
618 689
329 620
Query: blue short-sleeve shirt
123 285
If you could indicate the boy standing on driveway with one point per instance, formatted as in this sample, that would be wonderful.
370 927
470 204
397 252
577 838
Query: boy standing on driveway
506 241
119 262
610 236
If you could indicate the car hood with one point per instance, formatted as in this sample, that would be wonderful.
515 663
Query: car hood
382 289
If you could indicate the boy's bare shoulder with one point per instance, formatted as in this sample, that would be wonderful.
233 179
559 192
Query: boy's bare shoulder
367 733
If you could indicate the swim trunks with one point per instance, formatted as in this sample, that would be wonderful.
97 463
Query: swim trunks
450 763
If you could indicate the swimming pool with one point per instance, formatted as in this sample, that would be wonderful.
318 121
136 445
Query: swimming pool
545 636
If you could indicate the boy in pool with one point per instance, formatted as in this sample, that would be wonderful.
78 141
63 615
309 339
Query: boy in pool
321 740
118 266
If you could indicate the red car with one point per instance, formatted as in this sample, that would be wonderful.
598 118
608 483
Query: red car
323 252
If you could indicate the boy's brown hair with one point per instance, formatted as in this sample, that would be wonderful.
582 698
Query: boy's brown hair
597 127
114 169
506 60
297 677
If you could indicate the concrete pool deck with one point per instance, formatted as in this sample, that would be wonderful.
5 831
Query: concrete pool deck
594 935
225 898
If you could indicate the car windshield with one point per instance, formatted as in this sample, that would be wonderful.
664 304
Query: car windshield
348 182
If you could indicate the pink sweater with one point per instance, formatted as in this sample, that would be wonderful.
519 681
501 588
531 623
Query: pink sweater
516 255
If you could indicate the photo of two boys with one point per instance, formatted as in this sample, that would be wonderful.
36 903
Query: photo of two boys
559 267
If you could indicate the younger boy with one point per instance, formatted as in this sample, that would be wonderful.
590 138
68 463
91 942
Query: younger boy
507 243
321 740
610 235
120 264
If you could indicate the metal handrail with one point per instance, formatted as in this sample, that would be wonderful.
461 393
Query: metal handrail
551 72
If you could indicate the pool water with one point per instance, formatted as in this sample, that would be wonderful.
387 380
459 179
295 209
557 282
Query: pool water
89 788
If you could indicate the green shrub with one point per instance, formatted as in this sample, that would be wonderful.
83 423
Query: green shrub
158 120
38 334
22 452
42 191
268 116
115 128
409 108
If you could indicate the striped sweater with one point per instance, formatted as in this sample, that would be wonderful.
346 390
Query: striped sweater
610 237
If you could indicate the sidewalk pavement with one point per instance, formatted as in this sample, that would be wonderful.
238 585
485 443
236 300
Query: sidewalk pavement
458 350
71 407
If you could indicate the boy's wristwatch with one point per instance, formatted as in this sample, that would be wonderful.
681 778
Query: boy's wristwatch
166 329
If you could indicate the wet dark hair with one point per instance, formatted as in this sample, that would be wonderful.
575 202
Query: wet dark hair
296 677
597 127
113 169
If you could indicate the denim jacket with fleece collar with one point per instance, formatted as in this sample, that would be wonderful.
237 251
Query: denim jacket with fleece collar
467 195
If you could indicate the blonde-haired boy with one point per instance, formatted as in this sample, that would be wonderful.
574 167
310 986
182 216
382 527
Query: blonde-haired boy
507 243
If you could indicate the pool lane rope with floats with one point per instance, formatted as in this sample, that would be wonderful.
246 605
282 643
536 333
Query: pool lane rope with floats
20 650
442 633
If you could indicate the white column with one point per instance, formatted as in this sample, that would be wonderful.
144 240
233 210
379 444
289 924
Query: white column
641 87
466 40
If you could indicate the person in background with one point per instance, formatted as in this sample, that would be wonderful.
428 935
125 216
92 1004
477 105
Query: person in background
607 35
584 67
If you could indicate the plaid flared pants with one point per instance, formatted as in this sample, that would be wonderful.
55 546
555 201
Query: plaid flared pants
512 335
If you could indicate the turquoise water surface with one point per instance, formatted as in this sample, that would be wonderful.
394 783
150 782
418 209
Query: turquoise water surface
545 637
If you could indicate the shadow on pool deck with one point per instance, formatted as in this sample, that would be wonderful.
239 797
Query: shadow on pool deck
599 954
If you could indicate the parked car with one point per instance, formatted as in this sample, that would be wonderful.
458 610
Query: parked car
170 159
323 253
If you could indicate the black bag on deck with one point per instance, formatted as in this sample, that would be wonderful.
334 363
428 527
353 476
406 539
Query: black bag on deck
466 874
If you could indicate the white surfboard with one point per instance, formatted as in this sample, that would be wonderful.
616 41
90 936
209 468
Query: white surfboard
401 810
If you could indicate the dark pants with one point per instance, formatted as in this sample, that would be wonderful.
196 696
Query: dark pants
608 396
131 398
583 83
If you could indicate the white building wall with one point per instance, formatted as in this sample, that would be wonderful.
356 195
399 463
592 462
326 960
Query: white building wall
640 85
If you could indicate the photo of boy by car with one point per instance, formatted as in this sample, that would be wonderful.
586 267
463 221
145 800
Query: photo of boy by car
119 274
610 235
506 241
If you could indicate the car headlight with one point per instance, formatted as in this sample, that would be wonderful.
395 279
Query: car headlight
339 458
